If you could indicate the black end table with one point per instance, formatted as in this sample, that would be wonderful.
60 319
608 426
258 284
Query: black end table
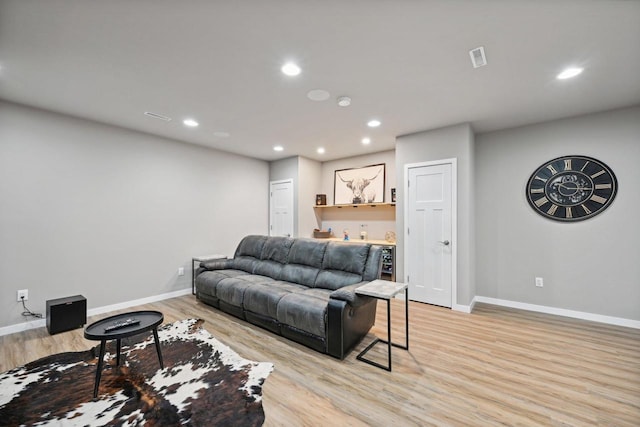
385 290
127 324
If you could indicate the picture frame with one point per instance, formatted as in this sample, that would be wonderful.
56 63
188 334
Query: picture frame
362 185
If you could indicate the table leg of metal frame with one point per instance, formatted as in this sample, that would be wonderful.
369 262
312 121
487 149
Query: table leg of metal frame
99 371
118 347
155 337
388 341
193 276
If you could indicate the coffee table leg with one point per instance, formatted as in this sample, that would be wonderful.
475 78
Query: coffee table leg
155 337
118 346
99 371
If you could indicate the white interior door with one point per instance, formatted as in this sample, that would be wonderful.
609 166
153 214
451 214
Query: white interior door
281 208
430 239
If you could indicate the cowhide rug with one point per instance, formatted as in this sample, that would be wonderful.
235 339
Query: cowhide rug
204 383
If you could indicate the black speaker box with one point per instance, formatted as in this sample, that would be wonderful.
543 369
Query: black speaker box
65 314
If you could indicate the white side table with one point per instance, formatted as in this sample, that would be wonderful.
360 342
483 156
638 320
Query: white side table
383 289
200 259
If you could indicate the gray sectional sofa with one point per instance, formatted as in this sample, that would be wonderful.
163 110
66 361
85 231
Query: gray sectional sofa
302 289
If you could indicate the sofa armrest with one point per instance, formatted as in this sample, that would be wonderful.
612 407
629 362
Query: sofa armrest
217 264
348 294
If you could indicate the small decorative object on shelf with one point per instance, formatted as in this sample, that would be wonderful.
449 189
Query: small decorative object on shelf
363 232
321 234
321 199
390 236
393 195
346 234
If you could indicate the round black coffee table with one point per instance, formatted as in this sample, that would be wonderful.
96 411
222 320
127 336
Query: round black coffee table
122 326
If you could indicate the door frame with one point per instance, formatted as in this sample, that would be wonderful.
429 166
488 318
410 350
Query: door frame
293 202
454 220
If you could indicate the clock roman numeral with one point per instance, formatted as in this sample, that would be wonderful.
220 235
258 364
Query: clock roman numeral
541 179
598 199
568 213
597 174
567 164
603 186
552 210
541 201
552 169
537 190
586 209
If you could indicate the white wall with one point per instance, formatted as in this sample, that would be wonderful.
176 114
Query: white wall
445 143
590 266
378 221
310 175
111 214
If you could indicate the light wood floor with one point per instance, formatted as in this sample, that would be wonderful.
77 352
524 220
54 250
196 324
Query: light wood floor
496 366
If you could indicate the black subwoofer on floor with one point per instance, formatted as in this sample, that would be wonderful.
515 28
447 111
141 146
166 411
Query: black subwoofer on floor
65 314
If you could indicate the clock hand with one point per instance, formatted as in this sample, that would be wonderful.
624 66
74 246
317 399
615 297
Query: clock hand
578 187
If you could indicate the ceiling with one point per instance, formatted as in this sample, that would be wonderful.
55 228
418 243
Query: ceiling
404 62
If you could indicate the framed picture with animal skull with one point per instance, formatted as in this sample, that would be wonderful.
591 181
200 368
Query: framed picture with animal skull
359 185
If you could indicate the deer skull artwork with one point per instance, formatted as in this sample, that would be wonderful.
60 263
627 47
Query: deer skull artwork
359 188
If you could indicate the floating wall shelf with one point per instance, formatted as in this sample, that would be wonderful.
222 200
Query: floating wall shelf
363 205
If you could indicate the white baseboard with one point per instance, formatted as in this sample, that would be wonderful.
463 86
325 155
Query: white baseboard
463 308
40 323
619 321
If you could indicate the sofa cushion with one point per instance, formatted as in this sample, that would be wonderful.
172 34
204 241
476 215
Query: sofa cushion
251 246
347 257
232 289
298 273
307 252
264 298
336 279
305 310
245 263
207 281
276 249
270 269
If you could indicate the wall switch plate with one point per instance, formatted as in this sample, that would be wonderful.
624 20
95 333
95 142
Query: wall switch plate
181 271
22 293
539 282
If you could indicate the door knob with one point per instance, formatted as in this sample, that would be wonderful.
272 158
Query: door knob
446 243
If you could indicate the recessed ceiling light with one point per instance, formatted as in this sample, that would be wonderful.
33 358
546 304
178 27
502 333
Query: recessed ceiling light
366 141
220 134
344 101
190 122
373 123
318 95
320 150
278 148
290 69
569 72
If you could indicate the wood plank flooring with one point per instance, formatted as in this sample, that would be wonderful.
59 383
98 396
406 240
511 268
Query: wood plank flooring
496 366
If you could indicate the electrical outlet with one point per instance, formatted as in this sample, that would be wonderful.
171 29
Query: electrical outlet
539 282
22 293
181 271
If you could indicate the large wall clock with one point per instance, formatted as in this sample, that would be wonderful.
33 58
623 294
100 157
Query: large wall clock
571 188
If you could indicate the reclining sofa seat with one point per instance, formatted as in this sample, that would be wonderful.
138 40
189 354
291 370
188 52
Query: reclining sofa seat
302 289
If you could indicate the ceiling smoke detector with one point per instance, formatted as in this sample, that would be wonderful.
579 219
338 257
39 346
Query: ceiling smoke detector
344 101
478 58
